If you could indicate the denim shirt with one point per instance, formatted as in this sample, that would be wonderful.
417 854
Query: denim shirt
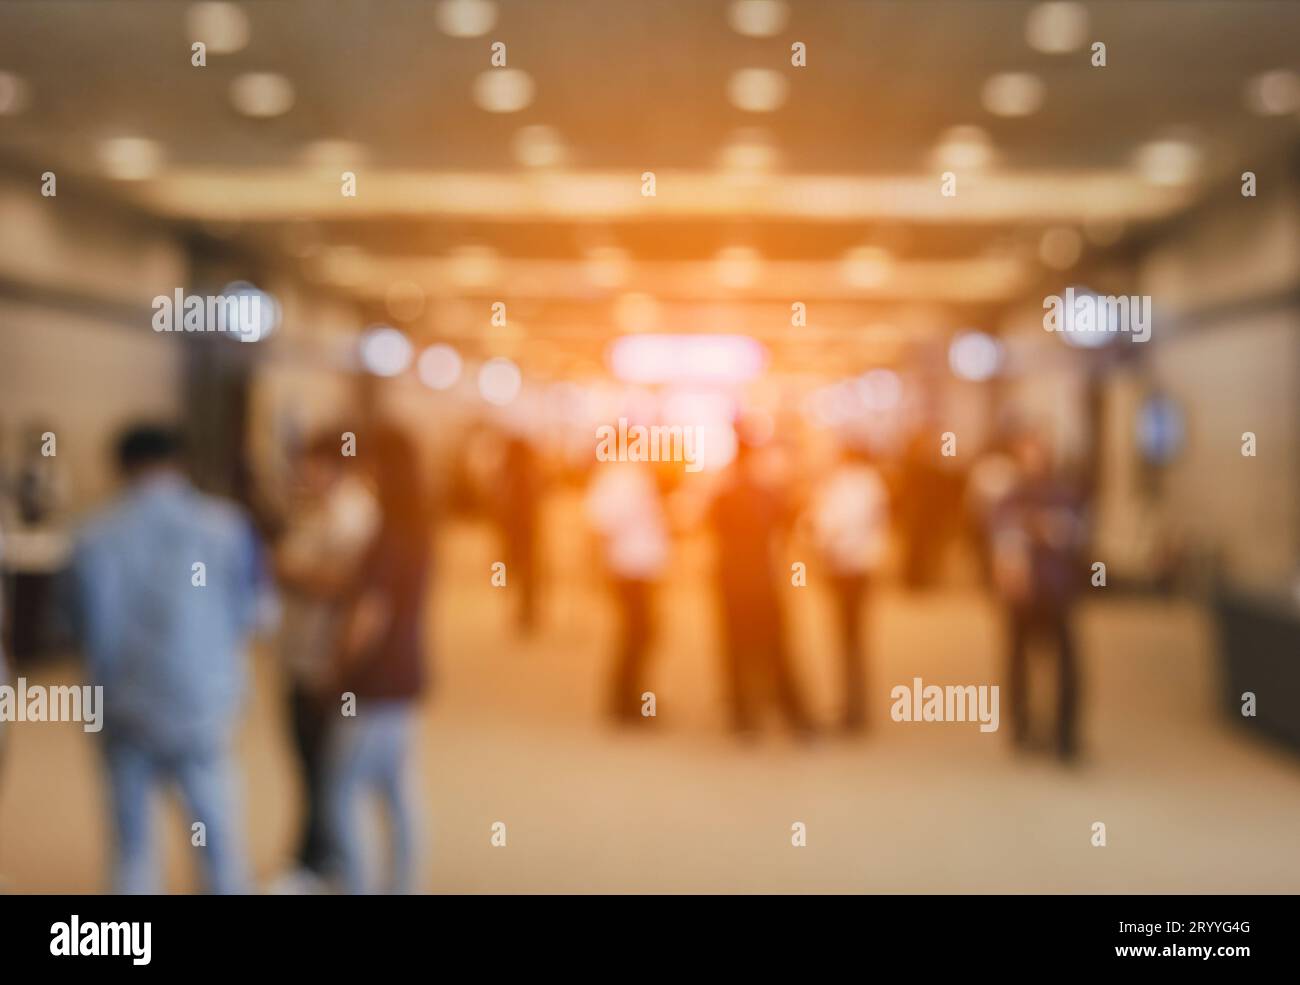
168 651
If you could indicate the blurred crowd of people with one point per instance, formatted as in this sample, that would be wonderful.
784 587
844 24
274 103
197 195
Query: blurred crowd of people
164 587
1027 518
167 583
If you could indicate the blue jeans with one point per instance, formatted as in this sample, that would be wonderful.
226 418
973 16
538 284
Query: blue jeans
207 779
369 755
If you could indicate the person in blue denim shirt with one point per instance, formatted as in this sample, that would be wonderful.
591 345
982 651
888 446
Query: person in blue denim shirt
166 582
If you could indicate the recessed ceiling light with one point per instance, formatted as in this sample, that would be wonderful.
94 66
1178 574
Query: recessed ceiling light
130 158
758 18
13 93
749 151
1274 93
1013 94
539 146
466 18
1057 27
503 90
964 148
866 266
1169 163
757 90
261 94
222 27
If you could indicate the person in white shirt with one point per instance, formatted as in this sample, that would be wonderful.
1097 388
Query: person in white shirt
625 510
850 523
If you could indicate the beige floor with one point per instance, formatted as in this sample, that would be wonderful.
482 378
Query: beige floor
513 734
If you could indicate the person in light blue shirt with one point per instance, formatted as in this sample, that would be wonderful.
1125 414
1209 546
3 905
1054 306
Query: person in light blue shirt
166 582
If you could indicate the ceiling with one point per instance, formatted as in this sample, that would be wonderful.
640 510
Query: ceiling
847 161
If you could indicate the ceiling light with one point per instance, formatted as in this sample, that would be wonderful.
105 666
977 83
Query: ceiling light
758 18
503 90
499 381
261 94
331 154
438 367
466 18
222 27
757 90
749 151
1057 27
1012 94
964 148
539 146
1169 163
974 356
385 351
866 266
686 359
738 266
130 158
1274 93
473 266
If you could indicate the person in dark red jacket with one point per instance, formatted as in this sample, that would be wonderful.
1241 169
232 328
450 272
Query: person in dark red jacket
380 667
748 517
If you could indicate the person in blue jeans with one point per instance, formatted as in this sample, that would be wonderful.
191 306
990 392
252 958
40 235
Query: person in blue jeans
380 665
165 585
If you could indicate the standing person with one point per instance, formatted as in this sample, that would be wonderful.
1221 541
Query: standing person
921 510
624 507
166 584
850 516
747 517
333 520
380 664
519 493
1038 538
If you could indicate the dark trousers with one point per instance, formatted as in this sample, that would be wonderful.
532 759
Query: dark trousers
634 636
757 659
521 571
1050 622
849 592
309 722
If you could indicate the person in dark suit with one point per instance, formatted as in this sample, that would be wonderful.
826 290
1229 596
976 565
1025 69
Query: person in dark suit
748 516
1038 536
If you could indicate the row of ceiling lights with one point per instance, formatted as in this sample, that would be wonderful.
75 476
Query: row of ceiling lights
1055 27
